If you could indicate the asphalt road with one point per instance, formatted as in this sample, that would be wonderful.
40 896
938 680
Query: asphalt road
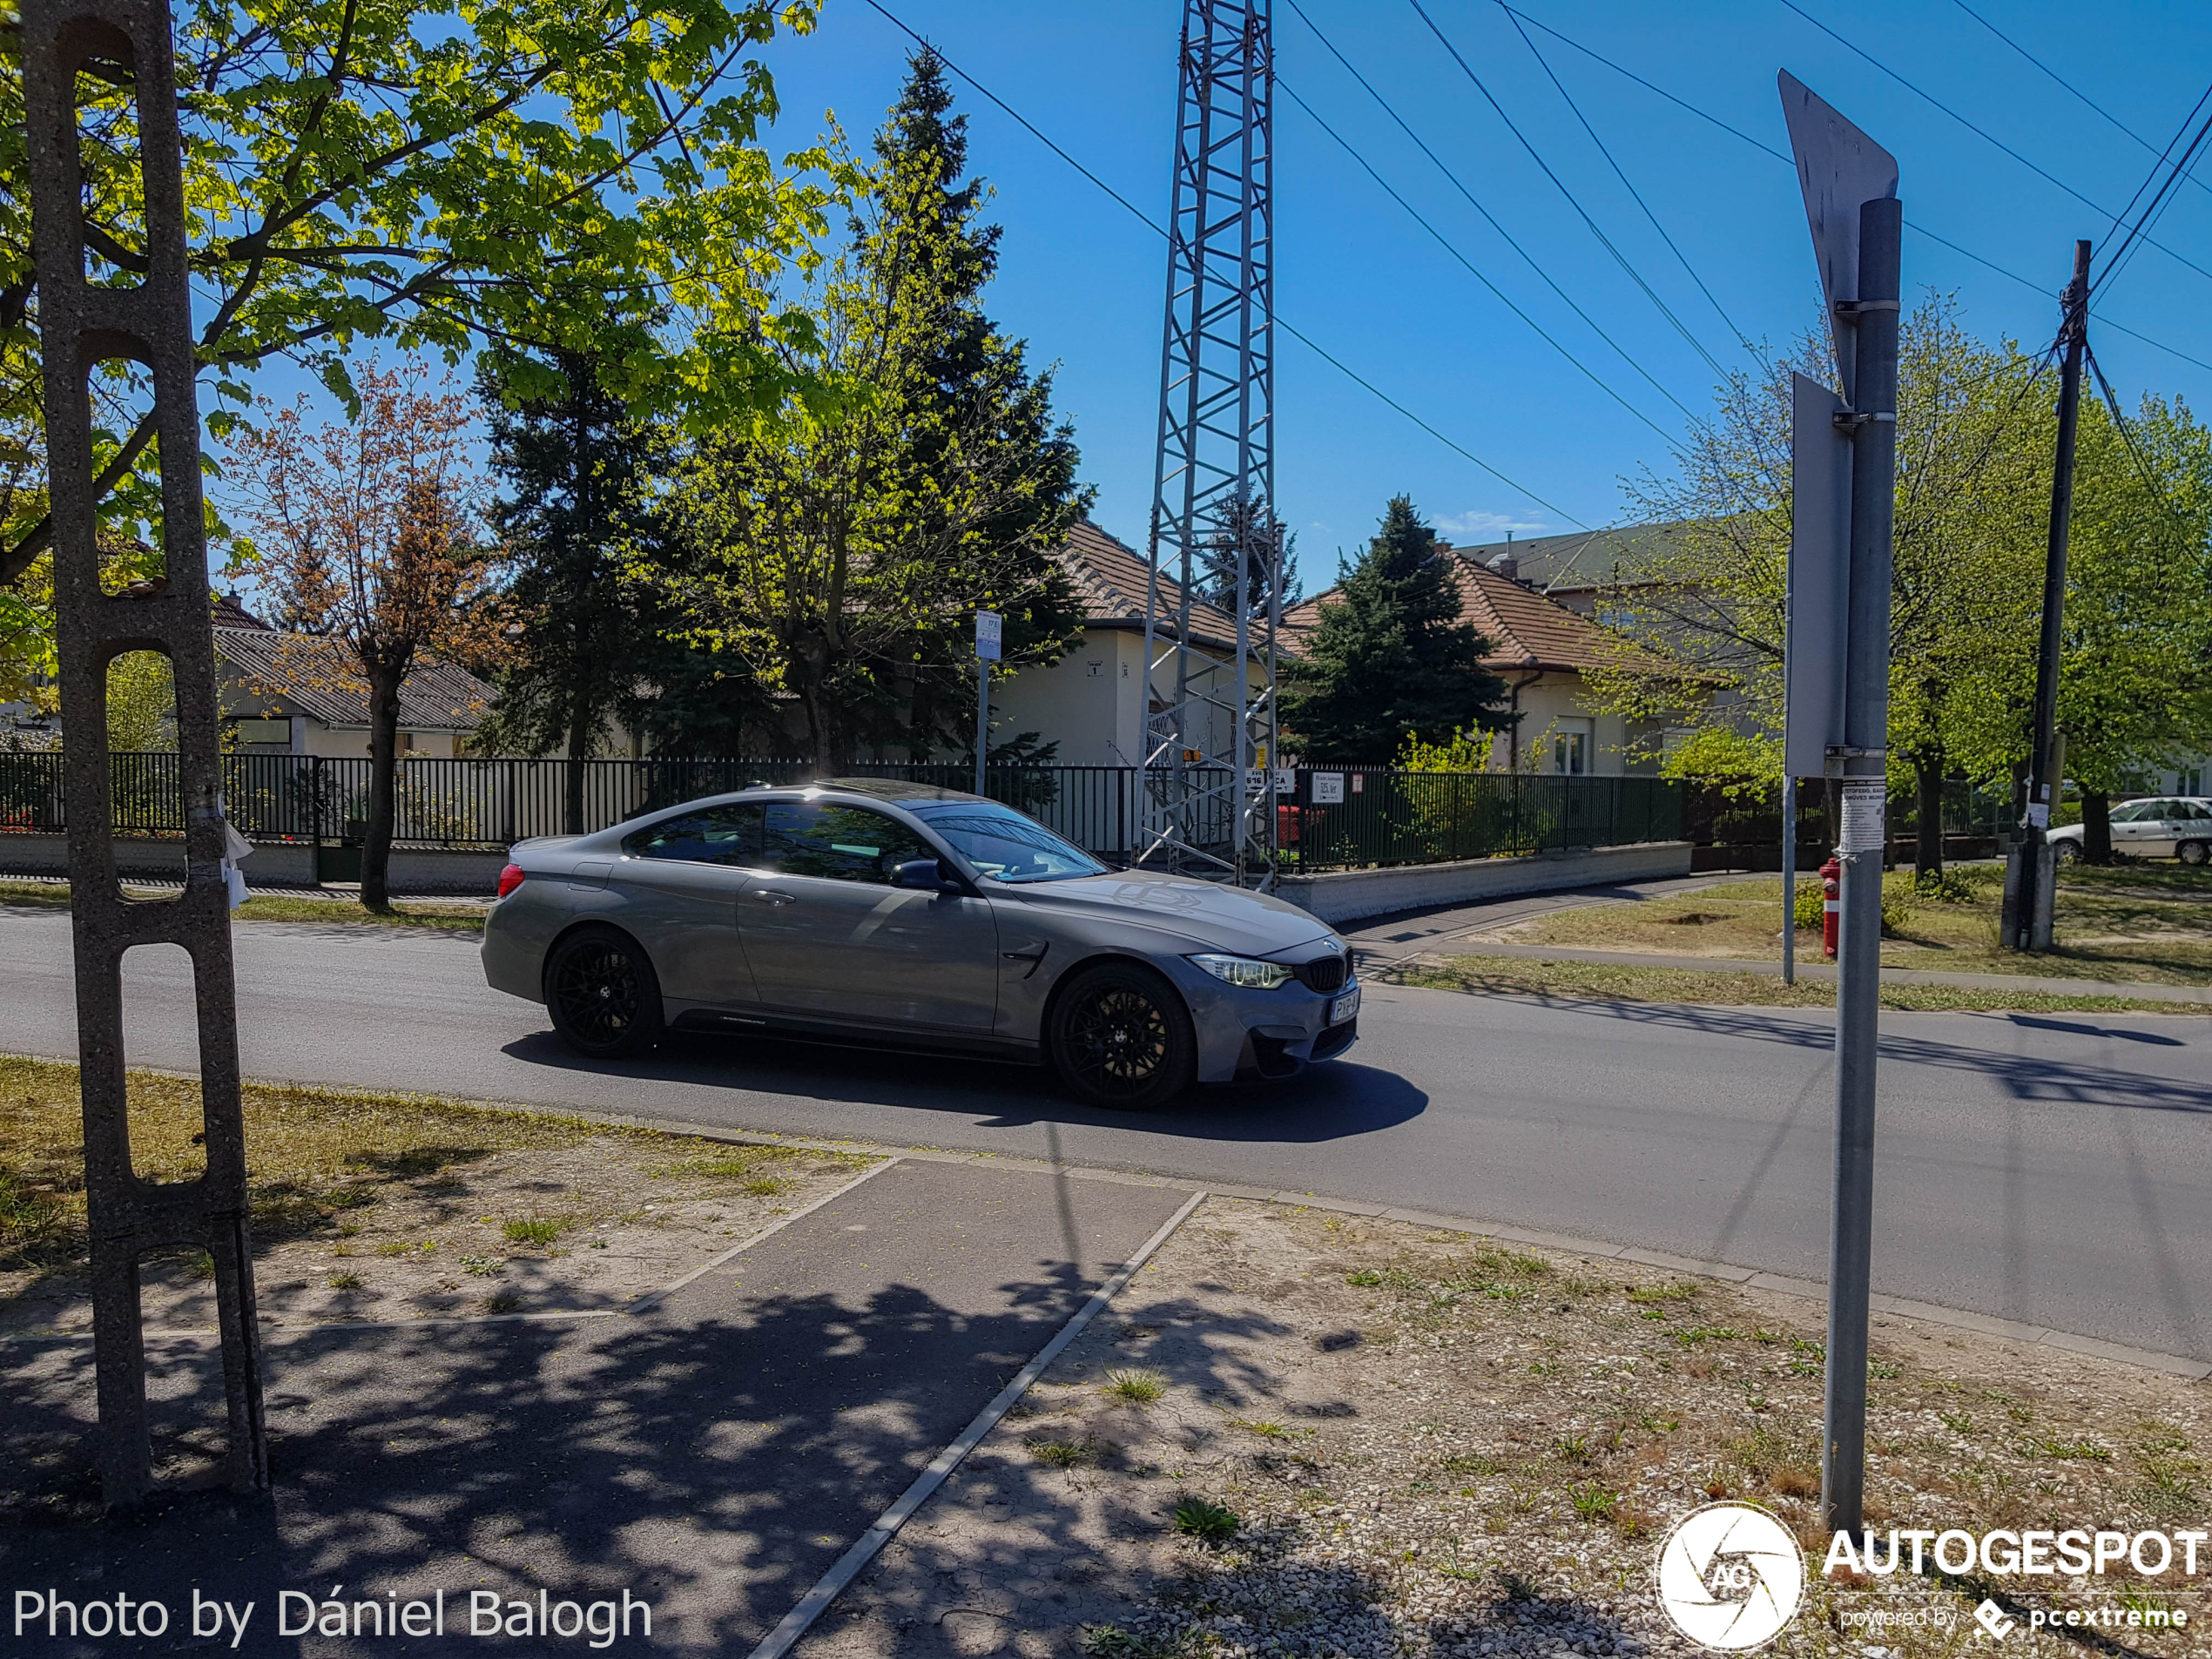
2052 1169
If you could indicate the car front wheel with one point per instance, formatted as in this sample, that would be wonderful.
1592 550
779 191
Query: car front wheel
602 993
1121 1037
2067 852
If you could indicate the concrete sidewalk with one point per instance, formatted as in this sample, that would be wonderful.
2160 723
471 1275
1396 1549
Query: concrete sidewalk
711 1457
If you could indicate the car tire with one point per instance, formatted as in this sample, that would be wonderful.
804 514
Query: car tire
602 993
1121 1037
2066 852
2194 853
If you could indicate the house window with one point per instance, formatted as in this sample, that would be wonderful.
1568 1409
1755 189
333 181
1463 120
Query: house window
1571 748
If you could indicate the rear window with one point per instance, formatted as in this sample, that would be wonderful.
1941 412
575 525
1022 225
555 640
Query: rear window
712 835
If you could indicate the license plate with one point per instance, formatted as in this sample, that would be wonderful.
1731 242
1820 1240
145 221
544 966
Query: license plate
1345 1006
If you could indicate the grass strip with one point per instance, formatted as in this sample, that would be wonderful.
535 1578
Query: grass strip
1617 982
312 1154
454 918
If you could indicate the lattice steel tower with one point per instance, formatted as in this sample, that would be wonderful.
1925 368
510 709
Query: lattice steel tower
1209 730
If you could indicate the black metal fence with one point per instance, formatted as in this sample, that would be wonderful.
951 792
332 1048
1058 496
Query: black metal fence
1345 819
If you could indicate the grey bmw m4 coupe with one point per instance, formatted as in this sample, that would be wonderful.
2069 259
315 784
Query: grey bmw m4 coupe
896 913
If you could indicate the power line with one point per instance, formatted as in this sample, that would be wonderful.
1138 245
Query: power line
1604 241
1742 339
2163 198
2068 86
1147 220
1982 132
1445 242
2127 437
1490 218
1765 148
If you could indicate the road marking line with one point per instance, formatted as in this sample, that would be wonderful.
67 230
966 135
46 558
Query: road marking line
811 1607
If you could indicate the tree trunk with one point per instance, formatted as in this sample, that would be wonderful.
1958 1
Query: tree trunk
579 747
2096 827
383 788
1927 856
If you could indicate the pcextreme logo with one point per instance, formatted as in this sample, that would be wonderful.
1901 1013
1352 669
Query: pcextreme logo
1731 1576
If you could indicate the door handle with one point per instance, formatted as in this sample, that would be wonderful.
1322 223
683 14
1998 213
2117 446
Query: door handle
768 895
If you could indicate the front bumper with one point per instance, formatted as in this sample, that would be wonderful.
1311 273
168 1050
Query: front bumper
1271 1035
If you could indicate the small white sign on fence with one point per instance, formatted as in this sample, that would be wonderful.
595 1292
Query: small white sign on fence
1328 788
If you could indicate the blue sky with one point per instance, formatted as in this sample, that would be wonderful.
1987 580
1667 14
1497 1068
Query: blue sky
1082 282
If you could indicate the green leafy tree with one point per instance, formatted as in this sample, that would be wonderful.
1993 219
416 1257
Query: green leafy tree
2135 663
1389 658
363 168
836 559
1700 650
581 466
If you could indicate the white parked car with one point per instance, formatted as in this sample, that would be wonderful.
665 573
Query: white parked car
2171 827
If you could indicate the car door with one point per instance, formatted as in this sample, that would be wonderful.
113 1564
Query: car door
2131 827
2161 830
829 938
681 881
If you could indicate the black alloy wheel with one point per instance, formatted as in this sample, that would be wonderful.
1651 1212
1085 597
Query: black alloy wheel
1121 1037
602 993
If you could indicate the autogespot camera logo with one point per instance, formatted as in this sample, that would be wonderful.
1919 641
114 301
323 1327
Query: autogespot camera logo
1731 1576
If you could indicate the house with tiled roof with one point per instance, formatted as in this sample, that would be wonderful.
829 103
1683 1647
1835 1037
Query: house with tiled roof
286 694
1091 703
1543 649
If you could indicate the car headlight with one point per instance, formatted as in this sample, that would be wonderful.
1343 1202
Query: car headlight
1244 970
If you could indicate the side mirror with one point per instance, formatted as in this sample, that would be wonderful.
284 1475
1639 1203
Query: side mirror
924 875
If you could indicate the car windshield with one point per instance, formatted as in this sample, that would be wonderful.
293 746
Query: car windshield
1007 847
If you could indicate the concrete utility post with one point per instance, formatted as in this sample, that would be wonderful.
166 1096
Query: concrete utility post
150 323
2031 882
1845 481
988 631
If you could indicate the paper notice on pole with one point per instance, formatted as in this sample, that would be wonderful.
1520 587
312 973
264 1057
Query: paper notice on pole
1866 804
2039 813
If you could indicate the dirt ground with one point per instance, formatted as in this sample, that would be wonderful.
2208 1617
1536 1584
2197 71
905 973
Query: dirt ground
1431 1444
382 1208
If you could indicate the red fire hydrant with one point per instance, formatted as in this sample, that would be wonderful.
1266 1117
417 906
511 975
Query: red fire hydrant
1831 876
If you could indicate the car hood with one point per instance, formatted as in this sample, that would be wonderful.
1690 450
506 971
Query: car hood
1211 916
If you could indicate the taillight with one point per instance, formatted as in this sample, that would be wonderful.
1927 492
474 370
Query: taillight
509 879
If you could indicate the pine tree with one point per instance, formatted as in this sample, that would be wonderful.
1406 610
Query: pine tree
581 466
1390 658
841 557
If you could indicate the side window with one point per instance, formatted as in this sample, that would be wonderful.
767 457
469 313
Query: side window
717 835
840 843
2129 813
2192 810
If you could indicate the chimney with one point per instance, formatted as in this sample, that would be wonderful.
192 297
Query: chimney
1506 566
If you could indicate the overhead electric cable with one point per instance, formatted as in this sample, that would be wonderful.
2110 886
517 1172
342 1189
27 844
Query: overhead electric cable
1765 148
2127 437
1604 241
1147 220
2162 199
1682 259
1982 132
2069 86
1445 242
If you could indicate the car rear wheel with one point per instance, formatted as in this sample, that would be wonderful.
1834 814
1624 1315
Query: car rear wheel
2195 853
602 993
1121 1037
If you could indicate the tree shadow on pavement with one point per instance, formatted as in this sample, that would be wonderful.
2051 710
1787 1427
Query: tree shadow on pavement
2022 1076
711 1459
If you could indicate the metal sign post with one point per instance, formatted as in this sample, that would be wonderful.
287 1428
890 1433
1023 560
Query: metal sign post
1849 186
989 627
149 322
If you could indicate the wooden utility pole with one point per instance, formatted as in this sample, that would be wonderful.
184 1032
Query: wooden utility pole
2030 871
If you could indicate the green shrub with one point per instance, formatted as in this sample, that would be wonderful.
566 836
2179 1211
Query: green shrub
1210 1523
